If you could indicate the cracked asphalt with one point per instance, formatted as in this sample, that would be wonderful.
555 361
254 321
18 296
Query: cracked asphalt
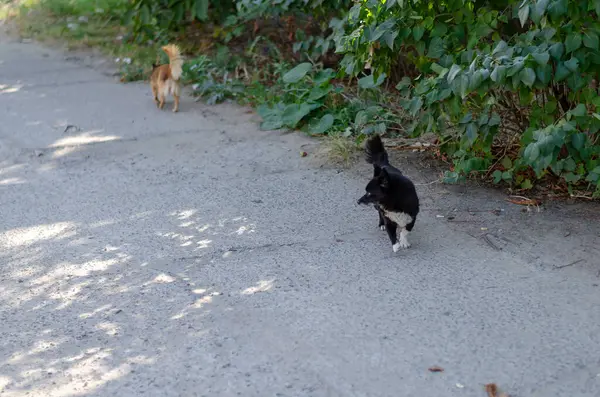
191 254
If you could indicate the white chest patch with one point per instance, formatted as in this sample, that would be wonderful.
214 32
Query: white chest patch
400 218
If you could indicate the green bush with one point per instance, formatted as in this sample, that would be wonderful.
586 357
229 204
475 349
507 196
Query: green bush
509 87
518 74
151 18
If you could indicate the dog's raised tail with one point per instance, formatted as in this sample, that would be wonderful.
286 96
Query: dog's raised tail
175 60
375 151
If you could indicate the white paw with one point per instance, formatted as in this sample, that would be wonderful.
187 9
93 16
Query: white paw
403 241
401 244
382 227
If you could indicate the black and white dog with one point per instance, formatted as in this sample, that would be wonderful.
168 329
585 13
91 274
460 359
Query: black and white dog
393 195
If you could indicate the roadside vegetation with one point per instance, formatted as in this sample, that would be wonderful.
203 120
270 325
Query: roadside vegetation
501 91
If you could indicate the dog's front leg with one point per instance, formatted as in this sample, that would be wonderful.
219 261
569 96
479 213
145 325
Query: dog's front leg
381 220
404 234
391 229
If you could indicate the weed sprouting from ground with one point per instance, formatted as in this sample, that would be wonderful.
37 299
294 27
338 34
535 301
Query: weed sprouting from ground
340 150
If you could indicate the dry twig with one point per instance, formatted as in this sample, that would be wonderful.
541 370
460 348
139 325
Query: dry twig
435 368
570 264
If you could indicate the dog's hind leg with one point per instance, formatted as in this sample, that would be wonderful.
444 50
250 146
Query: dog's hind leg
161 102
155 94
176 106
176 98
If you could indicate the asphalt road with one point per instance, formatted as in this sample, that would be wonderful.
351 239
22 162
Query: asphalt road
146 253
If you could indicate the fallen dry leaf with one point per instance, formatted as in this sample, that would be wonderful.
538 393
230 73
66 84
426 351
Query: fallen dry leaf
523 201
492 391
435 368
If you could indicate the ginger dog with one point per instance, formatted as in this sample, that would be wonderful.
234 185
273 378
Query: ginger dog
165 78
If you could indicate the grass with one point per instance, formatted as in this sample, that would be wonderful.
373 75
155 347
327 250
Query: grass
340 151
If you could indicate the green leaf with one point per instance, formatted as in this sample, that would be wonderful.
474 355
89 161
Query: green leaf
541 58
382 28
293 113
498 74
297 73
380 128
494 120
325 123
538 10
483 119
550 106
590 40
404 83
437 68
476 80
575 82
531 153
497 176
454 70
418 32
271 116
324 76
463 86
526 184
558 9
523 14
507 175
439 30
467 118
368 82
390 37
561 72
515 68
500 47
571 177
271 125
527 76
570 164
506 163
179 11
415 105
471 132
436 48
318 93
572 64
361 118
451 177
579 111
145 14
201 9
556 50
544 73
573 42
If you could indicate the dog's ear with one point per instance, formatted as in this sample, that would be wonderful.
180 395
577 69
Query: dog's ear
384 179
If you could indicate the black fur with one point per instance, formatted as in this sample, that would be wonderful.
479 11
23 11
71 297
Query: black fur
389 190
